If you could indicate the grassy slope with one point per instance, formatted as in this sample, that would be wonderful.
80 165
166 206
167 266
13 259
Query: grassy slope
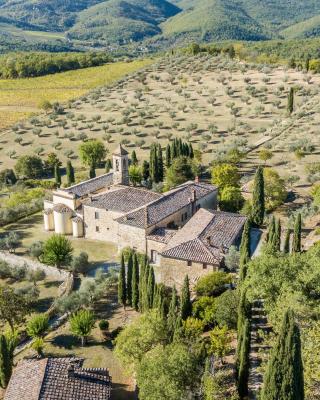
304 29
18 97
118 21
217 19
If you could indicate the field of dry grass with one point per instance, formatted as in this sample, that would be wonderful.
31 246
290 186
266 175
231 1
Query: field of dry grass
19 98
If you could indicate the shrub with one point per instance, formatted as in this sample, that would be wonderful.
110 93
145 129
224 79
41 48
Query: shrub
227 309
37 325
213 284
104 325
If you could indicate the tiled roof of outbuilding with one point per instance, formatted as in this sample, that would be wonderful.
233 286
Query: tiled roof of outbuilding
167 205
124 199
58 379
91 185
205 237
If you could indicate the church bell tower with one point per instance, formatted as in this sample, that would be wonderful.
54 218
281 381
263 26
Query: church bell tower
120 166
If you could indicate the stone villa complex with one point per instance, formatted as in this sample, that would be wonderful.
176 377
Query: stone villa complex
180 230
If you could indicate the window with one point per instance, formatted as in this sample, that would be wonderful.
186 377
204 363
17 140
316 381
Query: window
189 263
204 266
185 215
182 218
97 229
96 215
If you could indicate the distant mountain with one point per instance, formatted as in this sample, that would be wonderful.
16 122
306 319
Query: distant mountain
122 21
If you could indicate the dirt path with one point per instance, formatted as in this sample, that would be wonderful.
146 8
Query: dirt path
259 323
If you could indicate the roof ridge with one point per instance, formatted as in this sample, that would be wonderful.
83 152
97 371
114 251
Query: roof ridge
88 180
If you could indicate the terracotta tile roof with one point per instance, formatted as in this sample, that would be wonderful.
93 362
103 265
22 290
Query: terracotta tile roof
58 379
205 237
26 380
124 199
162 235
167 205
91 185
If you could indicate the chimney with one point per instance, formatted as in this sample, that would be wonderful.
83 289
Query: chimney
209 240
70 371
193 195
196 179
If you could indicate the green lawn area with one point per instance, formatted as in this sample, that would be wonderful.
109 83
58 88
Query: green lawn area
31 229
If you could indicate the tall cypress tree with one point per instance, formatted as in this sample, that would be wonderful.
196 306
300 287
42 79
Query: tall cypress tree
283 379
122 295
134 159
129 278
143 264
70 173
135 283
92 172
145 170
291 100
160 173
244 250
173 311
151 287
145 301
185 302
271 229
174 150
5 362
286 245
243 373
168 156
275 242
57 174
296 241
191 154
258 201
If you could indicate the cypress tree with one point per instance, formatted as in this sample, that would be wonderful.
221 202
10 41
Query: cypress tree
283 379
145 301
143 264
173 311
180 147
57 175
160 172
135 283
122 295
258 202
178 329
174 150
186 306
286 245
159 300
70 173
168 156
134 159
244 250
129 278
151 287
291 100
191 154
5 362
243 373
92 172
296 241
145 170
271 230
108 165
275 241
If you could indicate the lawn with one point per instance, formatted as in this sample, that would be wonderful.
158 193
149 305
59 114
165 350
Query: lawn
31 229
24 95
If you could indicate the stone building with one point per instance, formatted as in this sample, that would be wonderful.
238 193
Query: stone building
106 208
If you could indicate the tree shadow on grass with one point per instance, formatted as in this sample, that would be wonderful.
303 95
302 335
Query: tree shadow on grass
65 341
44 304
121 392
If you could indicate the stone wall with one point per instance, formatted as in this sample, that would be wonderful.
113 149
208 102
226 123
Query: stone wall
108 227
133 237
157 246
172 272
33 265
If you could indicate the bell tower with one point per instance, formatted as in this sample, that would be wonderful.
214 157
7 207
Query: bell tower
120 166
